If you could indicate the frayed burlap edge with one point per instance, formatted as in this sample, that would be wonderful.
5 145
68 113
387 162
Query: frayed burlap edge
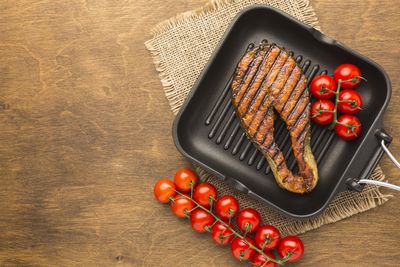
307 14
372 197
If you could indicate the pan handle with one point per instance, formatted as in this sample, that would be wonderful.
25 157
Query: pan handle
357 184
389 154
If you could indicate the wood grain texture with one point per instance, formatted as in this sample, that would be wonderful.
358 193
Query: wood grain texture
86 131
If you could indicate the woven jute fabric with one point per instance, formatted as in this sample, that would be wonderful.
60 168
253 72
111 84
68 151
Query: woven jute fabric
181 46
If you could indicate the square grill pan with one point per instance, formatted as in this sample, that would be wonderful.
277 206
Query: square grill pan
207 131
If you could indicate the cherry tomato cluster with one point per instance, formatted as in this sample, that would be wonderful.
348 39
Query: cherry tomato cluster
219 215
347 101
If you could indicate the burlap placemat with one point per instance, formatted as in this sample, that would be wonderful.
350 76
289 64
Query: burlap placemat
182 45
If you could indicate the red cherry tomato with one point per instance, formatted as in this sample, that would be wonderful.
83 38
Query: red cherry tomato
221 234
350 102
267 237
201 220
181 206
184 179
248 220
348 127
322 112
226 207
349 73
292 245
323 87
163 190
241 250
204 193
260 261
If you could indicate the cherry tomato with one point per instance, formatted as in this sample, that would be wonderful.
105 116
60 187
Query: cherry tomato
351 102
292 245
184 179
323 87
348 127
260 261
201 220
181 206
322 112
267 237
241 250
226 207
163 190
248 220
350 73
221 234
204 193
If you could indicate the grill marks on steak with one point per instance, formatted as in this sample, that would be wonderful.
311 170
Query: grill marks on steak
268 79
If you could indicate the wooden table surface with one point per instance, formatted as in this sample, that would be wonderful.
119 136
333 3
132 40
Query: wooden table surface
85 131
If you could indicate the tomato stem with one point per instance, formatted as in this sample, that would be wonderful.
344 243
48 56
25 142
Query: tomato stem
339 85
238 235
231 212
321 111
347 101
349 126
360 78
187 213
191 189
211 199
226 236
190 211
336 103
213 224
266 242
288 254
247 249
325 89
248 229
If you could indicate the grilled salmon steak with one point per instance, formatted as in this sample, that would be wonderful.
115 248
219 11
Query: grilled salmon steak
268 81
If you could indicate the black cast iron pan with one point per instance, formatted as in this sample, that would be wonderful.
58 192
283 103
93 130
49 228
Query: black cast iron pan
208 133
